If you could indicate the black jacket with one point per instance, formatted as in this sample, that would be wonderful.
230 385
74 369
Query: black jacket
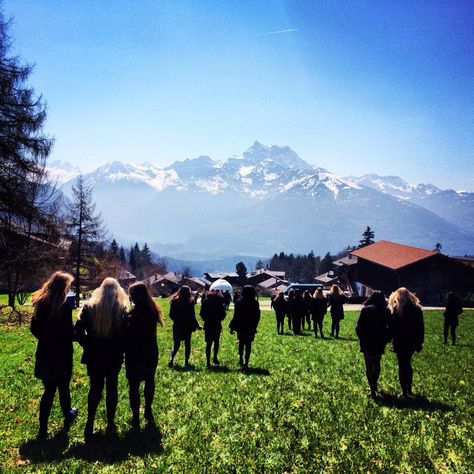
279 305
100 354
213 312
336 304
246 319
184 318
408 329
373 329
55 336
140 341
319 307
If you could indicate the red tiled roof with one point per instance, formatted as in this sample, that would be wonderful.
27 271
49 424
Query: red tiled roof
392 255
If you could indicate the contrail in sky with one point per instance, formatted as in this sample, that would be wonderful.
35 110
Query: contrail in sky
288 30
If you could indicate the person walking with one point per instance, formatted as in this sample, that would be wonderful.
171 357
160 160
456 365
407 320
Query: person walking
408 334
307 310
318 308
299 310
279 305
336 301
245 323
213 312
373 332
184 322
99 331
451 316
52 325
290 307
141 350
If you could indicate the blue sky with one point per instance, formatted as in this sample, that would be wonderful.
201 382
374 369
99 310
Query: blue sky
355 87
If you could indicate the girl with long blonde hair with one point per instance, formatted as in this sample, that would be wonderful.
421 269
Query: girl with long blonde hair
52 325
408 334
99 331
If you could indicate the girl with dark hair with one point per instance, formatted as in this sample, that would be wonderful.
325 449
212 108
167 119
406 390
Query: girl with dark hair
52 325
99 330
319 307
290 308
279 305
336 300
184 322
299 310
373 332
451 316
213 312
307 310
141 349
245 322
408 334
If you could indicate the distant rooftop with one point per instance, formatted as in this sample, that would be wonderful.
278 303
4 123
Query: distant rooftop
392 255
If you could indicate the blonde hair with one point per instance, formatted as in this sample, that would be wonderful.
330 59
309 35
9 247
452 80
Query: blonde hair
399 299
106 306
318 294
53 293
336 291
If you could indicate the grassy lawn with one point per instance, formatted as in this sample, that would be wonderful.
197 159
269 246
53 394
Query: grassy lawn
303 409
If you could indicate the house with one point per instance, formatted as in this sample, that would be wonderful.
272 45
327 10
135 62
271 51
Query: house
232 277
387 266
327 279
126 278
164 285
255 278
197 284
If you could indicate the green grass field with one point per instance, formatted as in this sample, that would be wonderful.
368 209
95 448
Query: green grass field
303 409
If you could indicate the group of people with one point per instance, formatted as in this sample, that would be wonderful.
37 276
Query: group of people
110 332
302 308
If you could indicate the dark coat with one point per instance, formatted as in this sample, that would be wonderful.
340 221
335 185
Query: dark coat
452 312
280 306
298 307
141 345
337 306
184 319
213 313
408 330
373 329
101 355
246 319
55 336
319 308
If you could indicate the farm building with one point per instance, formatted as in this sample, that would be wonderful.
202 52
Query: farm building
387 266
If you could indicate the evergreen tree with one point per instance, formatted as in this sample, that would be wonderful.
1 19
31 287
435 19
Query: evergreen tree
145 256
259 265
326 263
122 255
241 270
367 238
132 260
114 249
24 149
87 230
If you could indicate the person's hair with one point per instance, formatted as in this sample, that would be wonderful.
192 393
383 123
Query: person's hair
106 306
143 300
452 298
318 294
291 293
279 296
377 299
53 293
336 291
248 292
184 293
400 298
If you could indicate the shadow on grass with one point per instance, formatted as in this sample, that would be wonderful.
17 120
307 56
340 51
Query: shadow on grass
255 371
47 450
220 369
416 403
104 448
185 368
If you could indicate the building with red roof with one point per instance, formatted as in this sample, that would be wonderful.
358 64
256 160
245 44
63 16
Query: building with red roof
387 266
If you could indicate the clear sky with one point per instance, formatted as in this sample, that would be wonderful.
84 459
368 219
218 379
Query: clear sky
353 86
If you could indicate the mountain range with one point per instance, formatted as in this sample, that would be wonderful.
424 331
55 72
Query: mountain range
268 200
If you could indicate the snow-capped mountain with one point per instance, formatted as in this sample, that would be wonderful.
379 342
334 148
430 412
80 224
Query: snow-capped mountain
455 207
61 171
263 201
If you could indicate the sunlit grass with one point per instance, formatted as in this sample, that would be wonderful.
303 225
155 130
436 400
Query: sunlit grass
305 410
